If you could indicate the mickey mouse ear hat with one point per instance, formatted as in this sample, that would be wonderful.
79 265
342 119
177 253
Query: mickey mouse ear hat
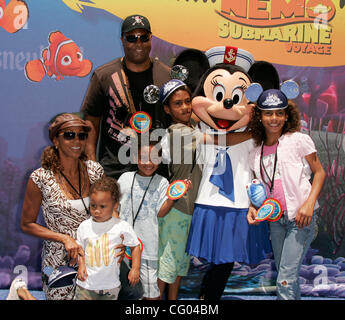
272 99
60 277
169 87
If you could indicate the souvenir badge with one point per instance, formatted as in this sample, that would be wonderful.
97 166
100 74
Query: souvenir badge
151 94
141 121
176 190
128 252
277 212
265 211
179 72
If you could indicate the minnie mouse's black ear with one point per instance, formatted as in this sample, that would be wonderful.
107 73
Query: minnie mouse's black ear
196 63
265 73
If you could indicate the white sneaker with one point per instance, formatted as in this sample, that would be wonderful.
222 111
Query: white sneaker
15 285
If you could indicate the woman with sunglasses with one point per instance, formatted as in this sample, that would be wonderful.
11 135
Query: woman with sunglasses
61 187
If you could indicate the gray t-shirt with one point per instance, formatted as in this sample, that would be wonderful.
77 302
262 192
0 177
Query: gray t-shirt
146 223
181 150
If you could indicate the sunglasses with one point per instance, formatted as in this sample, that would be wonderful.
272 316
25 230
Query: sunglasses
134 38
70 135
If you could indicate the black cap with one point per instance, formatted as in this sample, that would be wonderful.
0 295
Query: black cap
135 21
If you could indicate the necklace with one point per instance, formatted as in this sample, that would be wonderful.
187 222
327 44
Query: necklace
134 217
262 168
79 193
68 190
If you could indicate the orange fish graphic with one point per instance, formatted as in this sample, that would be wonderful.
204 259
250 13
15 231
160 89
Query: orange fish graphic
62 58
14 16
141 119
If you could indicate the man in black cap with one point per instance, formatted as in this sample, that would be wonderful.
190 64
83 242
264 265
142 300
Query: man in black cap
116 91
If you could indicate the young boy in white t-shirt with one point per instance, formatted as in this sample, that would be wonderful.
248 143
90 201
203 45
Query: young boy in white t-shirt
98 271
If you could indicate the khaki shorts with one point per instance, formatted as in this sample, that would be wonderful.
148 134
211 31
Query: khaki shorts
85 294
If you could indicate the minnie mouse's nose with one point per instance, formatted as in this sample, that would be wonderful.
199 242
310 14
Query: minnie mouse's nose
228 103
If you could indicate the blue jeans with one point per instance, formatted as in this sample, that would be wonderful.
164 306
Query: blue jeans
290 245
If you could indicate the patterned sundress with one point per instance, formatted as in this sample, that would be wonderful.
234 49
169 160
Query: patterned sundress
62 217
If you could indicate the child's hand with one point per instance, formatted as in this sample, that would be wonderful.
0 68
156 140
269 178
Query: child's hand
133 276
73 249
121 253
82 274
304 215
251 216
188 183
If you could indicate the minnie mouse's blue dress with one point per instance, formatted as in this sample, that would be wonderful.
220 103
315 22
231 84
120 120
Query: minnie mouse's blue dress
219 230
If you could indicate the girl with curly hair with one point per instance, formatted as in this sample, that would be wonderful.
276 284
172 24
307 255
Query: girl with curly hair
281 160
293 125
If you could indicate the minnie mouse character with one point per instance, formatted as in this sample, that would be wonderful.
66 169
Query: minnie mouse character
219 230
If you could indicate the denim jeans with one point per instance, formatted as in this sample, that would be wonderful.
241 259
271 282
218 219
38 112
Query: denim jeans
290 245
128 292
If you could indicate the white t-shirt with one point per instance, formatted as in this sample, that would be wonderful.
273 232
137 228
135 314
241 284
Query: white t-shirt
98 239
146 223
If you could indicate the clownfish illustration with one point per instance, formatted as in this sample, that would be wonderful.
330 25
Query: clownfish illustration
62 58
14 15
141 119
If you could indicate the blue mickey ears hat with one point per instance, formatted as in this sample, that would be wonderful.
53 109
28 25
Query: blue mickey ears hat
60 277
272 99
168 88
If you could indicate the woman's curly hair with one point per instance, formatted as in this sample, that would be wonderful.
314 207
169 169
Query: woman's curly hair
293 123
50 159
